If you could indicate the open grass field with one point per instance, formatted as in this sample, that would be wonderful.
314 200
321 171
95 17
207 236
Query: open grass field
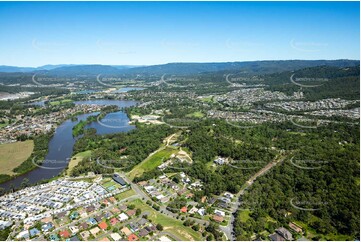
151 162
244 215
76 159
60 102
125 194
4 124
311 233
170 225
195 115
208 99
13 154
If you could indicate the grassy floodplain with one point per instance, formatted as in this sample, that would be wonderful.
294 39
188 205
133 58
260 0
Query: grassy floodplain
13 154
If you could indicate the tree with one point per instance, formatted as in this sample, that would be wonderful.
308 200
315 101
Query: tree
160 227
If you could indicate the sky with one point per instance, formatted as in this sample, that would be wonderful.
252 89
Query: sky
147 33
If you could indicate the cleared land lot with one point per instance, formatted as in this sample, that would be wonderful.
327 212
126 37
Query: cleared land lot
13 154
152 162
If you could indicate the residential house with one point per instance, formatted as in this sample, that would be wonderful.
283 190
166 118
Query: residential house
114 221
295 227
83 226
219 213
217 218
33 232
183 209
64 234
74 229
132 237
284 233
85 235
115 236
143 232
126 231
122 217
131 212
94 231
103 225
46 227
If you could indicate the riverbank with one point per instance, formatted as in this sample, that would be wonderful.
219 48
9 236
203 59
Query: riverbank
58 149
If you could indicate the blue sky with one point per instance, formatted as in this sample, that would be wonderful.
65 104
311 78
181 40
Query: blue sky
145 33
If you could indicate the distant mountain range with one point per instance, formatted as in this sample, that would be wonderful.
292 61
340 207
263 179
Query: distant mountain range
60 68
247 67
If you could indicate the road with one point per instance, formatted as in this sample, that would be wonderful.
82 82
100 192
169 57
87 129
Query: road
163 209
228 230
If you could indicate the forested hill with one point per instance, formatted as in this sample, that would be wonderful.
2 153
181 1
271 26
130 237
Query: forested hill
246 67
318 82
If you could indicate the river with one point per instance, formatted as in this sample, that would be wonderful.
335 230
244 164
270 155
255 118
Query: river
61 145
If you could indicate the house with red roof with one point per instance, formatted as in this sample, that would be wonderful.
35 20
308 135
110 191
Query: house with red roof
105 201
103 225
131 212
65 234
184 209
218 219
132 237
114 221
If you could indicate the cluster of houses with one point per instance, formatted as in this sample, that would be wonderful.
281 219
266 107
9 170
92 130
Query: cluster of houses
33 204
252 116
180 157
13 96
104 221
163 188
248 96
40 124
324 104
348 113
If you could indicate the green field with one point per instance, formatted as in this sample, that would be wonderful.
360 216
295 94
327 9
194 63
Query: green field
207 99
13 154
151 162
311 233
60 102
4 124
76 159
195 115
170 225
125 194
244 215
